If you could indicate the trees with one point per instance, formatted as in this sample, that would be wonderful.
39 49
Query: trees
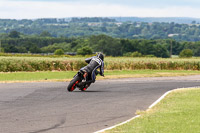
97 43
105 44
133 54
59 52
129 45
81 27
66 47
34 49
84 51
197 51
160 51
10 49
186 53
14 34
45 34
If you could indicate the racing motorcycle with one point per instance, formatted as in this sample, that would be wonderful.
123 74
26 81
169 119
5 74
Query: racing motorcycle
80 81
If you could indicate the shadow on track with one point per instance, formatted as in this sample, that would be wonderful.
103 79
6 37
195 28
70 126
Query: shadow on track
88 91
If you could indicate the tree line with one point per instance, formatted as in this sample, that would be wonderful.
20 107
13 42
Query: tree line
84 27
16 42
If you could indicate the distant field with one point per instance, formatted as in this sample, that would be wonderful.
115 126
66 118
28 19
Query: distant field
12 64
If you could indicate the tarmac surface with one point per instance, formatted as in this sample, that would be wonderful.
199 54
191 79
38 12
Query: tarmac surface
49 108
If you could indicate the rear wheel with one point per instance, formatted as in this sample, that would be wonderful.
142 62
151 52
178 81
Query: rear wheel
73 83
85 87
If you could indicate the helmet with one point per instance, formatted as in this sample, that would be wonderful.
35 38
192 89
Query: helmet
101 56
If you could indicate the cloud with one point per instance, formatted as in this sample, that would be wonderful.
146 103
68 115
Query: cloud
43 9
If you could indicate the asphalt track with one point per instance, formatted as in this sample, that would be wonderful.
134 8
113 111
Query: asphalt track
49 108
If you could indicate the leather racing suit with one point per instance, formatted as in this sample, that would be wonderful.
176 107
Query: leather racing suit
93 64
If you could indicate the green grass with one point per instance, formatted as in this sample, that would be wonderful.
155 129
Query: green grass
177 113
67 75
36 76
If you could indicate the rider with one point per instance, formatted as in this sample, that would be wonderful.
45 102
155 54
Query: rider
90 71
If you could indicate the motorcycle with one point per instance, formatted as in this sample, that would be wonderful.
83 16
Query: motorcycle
80 81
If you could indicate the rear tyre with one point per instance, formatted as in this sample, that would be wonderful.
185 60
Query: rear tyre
85 87
72 85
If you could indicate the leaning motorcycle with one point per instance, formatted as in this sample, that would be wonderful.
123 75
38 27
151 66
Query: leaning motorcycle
79 81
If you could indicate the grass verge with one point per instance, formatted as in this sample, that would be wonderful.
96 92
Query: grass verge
178 112
68 75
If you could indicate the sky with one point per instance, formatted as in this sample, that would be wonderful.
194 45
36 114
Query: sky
33 9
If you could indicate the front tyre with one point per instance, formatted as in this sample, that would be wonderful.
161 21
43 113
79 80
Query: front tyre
72 85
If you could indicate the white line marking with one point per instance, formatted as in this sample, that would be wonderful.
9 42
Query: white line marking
152 105
157 101
103 130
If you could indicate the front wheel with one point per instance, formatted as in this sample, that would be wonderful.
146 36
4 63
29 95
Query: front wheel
73 83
